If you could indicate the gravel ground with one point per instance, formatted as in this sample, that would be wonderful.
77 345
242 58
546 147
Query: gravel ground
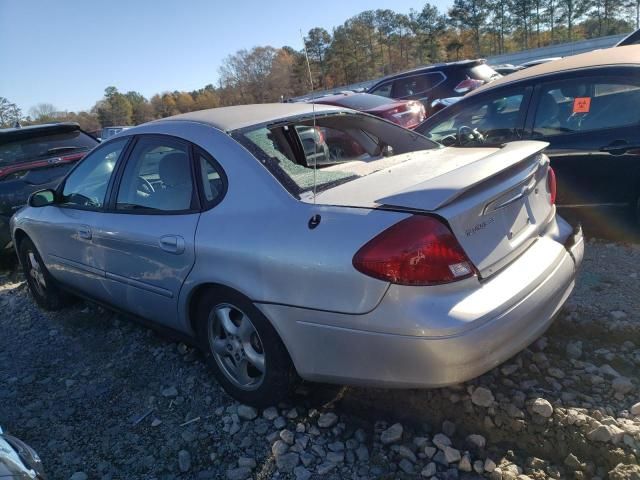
101 397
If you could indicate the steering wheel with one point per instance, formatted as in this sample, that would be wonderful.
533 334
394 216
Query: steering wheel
466 135
144 186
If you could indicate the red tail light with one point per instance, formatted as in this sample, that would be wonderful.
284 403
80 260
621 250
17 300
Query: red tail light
467 85
552 185
419 250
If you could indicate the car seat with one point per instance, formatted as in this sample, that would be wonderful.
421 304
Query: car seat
177 187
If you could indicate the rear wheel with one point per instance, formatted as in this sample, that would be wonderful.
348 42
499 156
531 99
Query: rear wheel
245 352
41 284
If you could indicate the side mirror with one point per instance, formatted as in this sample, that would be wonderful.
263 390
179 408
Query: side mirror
42 198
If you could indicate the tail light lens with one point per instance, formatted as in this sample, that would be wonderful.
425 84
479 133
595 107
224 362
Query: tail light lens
552 185
467 85
419 250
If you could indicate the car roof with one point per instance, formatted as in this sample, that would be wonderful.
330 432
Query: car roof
629 55
13 133
427 68
241 116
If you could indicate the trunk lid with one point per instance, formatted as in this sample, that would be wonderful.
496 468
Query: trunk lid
496 201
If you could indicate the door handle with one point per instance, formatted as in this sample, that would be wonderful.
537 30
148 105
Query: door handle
172 244
84 232
619 147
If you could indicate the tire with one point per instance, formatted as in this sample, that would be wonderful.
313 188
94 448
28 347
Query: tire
234 349
42 286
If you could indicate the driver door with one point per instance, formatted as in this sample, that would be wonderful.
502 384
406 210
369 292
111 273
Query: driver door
490 119
65 231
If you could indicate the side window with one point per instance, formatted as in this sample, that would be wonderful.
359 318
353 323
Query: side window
583 105
383 90
496 117
212 183
157 177
87 185
416 84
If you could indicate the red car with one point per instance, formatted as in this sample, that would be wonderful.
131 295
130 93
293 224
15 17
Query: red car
406 113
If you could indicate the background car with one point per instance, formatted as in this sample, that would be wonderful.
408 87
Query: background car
395 267
32 158
18 461
632 39
436 81
587 107
406 113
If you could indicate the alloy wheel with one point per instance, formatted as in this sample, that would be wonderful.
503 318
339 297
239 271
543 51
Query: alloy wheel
36 273
236 346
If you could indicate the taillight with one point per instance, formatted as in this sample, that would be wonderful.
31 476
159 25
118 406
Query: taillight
552 185
467 85
419 250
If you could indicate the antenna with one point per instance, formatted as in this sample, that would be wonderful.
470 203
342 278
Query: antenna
313 114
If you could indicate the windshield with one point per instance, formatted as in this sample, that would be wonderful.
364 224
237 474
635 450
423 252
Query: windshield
44 146
342 147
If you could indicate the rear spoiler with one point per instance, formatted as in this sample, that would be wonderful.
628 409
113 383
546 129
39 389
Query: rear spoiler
445 188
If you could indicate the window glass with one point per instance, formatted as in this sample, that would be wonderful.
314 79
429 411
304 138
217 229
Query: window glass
87 184
340 147
38 147
582 105
415 84
212 182
383 90
496 118
157 177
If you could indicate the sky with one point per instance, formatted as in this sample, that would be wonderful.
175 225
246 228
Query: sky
66 52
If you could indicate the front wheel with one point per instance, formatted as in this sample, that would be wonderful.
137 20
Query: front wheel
245 352
41 284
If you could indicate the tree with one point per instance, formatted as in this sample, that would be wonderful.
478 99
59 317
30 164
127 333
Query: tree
570 11
317 43
141 109
10 113
114 109
43 113
471 15
427 25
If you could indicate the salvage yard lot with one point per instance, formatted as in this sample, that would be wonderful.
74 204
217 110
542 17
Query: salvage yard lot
93 392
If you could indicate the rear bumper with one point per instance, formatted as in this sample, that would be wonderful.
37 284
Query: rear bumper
435 336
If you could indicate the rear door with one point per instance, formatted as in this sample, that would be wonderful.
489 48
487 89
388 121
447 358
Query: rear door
147 234
591 122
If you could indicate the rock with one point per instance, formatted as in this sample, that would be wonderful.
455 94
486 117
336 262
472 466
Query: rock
465 463
606 434
156 422
478 466
327 420
287 462
635 409
246 412
574 349
306 458
622 385
335 457
476 441
279 448
184 461
325 468
609 371
451 454
301 473
430 451
270 413
362 452
169 392
336 446
240 473
625 472
79 476
542 407
430 470
392 434
618 314
572 462
404 452
440 440
287 436
280 423
448 428
489 465
406 466
482 397
247 462
292 414
555 372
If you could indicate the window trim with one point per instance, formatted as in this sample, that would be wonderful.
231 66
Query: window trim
111 205
107 196
204 203
589 73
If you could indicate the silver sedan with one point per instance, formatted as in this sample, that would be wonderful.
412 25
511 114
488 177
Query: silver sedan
291 241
